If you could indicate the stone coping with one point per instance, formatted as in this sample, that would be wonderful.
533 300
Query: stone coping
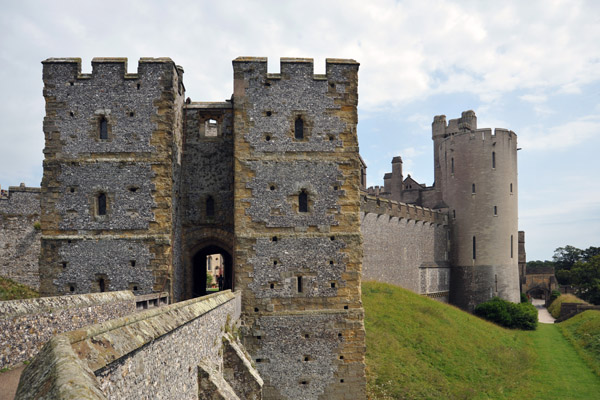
103 343
209 105
13 308
64 369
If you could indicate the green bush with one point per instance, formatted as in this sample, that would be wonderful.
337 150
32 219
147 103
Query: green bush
510 315
554 295
524 298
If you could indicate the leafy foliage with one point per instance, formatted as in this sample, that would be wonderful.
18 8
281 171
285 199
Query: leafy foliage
554 295
576 267
510 315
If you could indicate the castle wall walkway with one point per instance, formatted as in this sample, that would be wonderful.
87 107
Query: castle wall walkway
184 350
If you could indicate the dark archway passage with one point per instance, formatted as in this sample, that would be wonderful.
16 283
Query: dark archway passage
199 269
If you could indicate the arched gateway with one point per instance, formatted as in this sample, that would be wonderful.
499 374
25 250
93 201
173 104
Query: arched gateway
200 269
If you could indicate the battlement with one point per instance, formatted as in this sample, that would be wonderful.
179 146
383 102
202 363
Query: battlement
391 208
298 68
70 68
467 122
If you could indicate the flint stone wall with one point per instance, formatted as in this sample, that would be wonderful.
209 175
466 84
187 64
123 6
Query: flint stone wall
407 252
27 324
19 238
153 354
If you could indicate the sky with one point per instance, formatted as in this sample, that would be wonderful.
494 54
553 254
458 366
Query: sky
529 66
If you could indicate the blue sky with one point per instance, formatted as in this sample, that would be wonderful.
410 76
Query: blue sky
532 67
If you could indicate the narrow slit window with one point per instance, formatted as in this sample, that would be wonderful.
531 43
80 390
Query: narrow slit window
511 188
210 206
299 128
495 210
303 201
103 128
102 285
101 200
299 284
511 246
474 248
473 188
452 166
493 159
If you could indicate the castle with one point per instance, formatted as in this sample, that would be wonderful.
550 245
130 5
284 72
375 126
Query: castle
140 185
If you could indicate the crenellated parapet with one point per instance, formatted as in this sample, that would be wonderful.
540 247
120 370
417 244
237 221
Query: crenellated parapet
69 68
410 212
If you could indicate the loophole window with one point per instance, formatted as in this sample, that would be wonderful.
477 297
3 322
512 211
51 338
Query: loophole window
299 128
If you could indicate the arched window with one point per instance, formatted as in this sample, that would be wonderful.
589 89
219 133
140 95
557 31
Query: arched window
210 206
493 159
303 201
299 128
101 204
474 248
103 128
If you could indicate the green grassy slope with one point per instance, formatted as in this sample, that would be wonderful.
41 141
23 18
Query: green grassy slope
418 348
558 371
10 290
583 331
554 308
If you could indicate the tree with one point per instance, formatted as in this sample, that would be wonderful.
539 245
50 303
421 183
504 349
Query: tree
590 252
586 276
209 280
566 257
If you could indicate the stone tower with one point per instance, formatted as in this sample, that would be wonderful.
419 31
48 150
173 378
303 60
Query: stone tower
476 176
298 247
109 191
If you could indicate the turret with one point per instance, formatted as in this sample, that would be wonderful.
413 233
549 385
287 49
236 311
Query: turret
476 174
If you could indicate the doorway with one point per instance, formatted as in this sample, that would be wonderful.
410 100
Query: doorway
214 261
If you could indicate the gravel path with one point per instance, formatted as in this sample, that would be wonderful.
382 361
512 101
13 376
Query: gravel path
543 315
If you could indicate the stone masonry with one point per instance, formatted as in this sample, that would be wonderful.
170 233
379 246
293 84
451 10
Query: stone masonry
20 235
140 185
298 245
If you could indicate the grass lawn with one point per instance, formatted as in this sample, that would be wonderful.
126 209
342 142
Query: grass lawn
583 332
418 348
10 290
558 372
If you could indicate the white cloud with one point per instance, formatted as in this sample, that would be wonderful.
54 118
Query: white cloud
559 137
